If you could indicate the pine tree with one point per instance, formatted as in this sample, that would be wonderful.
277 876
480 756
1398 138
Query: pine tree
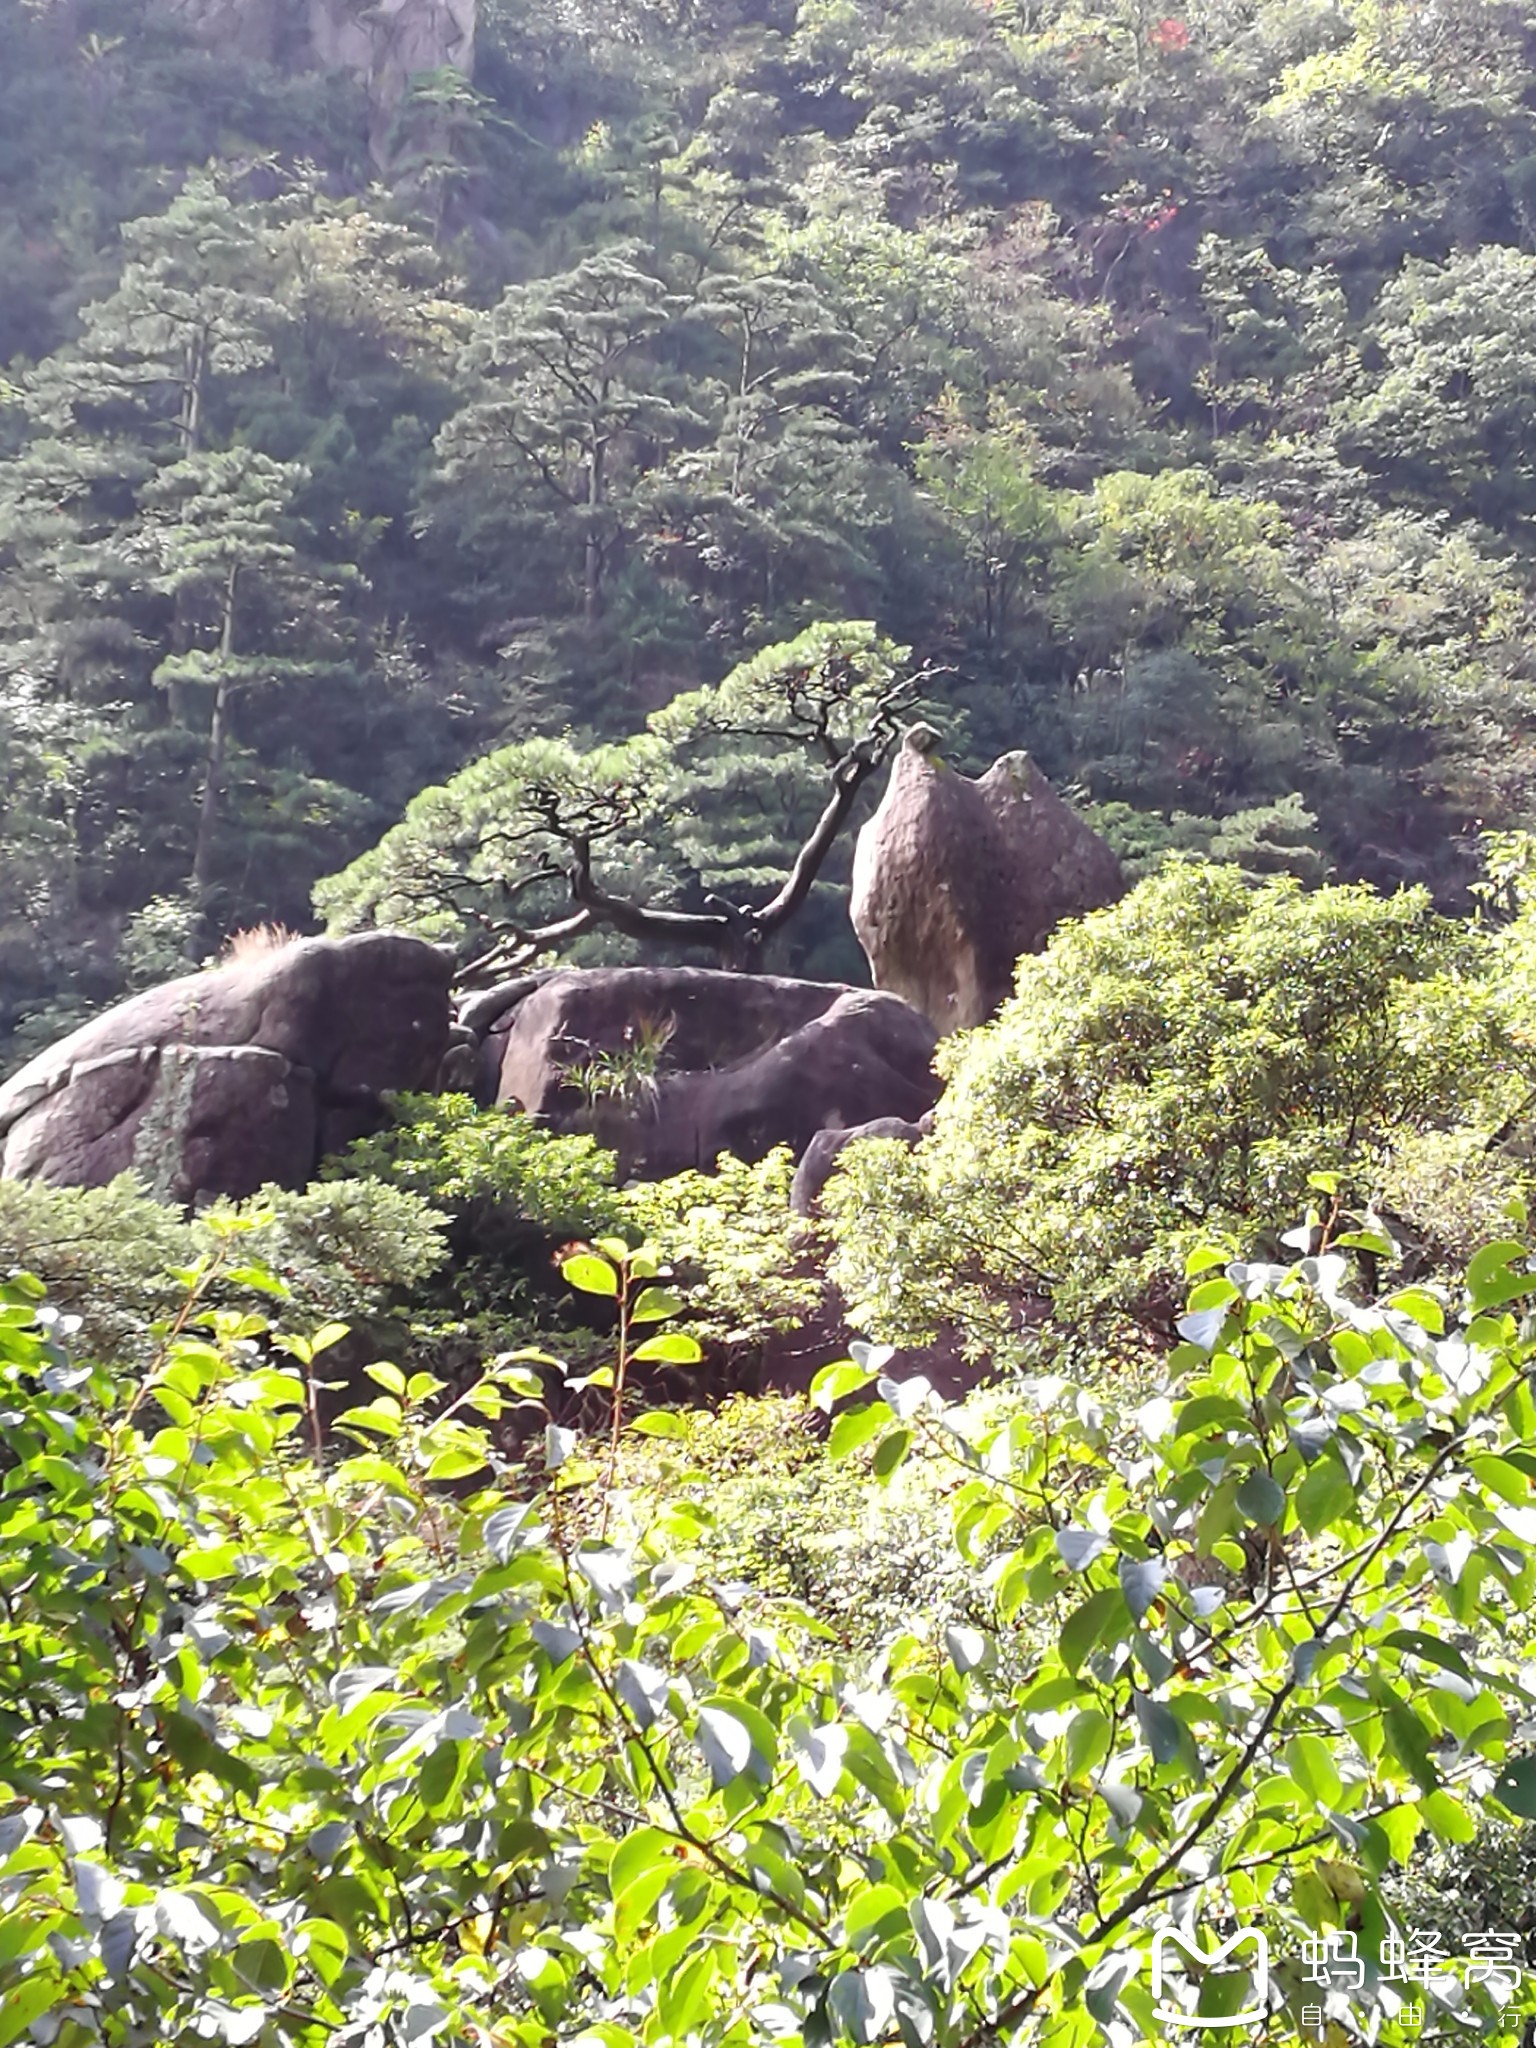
776 508
160 570
575 402
217 527
735 793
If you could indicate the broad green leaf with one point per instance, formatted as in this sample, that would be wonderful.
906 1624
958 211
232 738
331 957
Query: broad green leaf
455 1462
1429 1647
1515 1786
819 1752
642 1688
1448 1817
1206 1410
659 1422
511 1529
1261 1500
669 1347
556 1640
211 1561
1079 1547
195 1750
27 2001
642 1850
1489 1278
891 1452
1407 1738
855 1427
1323 1495
1141 1581
968 1648
1449 1560
1086 1627
323 1947
833 1383
1161 1730
1087 1742
1310 1762
1502 1478
874 1916
654 1305
725 1742
558 1446
861 2004
589 1274
1224 1993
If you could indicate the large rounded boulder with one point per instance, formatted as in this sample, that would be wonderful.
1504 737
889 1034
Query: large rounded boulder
954 879
247 1073
674 1065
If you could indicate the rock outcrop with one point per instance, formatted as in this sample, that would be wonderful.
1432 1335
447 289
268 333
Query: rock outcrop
251 1072
674 1065
384 44
390 42
953 879
819 1161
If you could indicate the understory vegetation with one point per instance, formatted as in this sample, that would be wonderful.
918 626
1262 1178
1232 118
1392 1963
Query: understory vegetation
396 1646
710 1731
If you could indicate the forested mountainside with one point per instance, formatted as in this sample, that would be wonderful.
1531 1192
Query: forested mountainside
1164 382
523 472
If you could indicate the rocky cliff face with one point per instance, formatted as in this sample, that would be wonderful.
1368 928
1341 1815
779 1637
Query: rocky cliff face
382 42
388 42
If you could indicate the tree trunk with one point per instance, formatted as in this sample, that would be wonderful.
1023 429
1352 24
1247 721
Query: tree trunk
194 375
208 817
218 740
592 572
192 393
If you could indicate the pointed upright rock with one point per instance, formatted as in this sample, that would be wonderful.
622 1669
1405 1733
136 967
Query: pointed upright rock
953 879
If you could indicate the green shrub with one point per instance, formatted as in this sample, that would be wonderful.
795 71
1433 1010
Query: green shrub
401 1742
341 1248
781 1518
112 1257
445 1148
1280 837
512 1192
1171 1069
748 1265
508 1193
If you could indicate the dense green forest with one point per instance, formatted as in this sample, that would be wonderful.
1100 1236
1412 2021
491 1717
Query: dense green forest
1163 383
416 1623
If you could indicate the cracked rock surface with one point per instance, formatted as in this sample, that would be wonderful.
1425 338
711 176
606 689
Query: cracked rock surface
251 1072
672 1066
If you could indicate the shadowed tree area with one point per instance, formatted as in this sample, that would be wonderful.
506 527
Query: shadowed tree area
527 510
